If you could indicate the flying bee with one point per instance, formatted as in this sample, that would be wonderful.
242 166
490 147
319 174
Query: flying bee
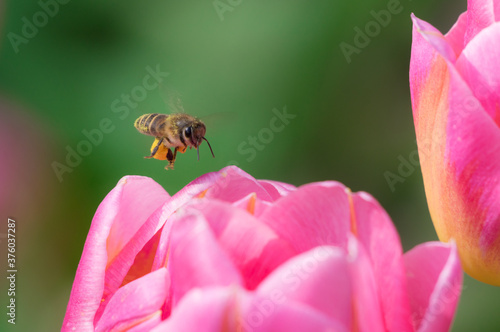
178 131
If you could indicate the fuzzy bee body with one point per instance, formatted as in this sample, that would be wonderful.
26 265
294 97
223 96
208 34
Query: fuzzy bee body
178 131
151 124
167 126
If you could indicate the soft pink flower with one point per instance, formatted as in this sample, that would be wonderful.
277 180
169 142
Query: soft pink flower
231 253
455 90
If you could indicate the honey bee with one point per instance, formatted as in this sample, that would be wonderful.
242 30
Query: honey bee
178 131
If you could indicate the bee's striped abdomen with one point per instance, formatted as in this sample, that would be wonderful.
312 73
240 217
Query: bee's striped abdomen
151 124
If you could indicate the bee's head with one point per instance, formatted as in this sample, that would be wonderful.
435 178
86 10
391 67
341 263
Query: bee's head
194 134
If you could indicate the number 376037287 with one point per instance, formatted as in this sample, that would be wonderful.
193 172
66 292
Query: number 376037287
11 243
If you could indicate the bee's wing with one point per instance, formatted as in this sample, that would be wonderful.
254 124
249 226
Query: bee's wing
172 99
220 119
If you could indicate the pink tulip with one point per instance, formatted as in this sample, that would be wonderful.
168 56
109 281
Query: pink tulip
231 253
455 90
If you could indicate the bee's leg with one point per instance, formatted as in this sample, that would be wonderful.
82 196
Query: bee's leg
171 159
160 140
170 155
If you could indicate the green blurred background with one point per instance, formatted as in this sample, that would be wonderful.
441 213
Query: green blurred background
353 120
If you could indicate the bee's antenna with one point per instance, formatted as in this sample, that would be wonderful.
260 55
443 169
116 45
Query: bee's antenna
209 147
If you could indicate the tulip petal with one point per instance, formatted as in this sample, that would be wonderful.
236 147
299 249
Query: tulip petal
142 261
196 259
232 309
254 248
459 146
134 302
140 199
263 315
368 315
282 188
200 307
435 38
185 195
147 325
476 160
194 189
230 184
427 83
434 285
481 14
235 184
471 189
313 215
376 232
117 207
135 259
124 270
318 278
455 36
252 204
480 68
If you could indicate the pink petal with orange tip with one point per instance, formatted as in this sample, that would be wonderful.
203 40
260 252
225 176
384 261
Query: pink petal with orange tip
252 204
461 166
117 210
136 301
434 285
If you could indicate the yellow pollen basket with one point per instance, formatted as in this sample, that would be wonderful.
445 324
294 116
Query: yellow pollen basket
161 153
